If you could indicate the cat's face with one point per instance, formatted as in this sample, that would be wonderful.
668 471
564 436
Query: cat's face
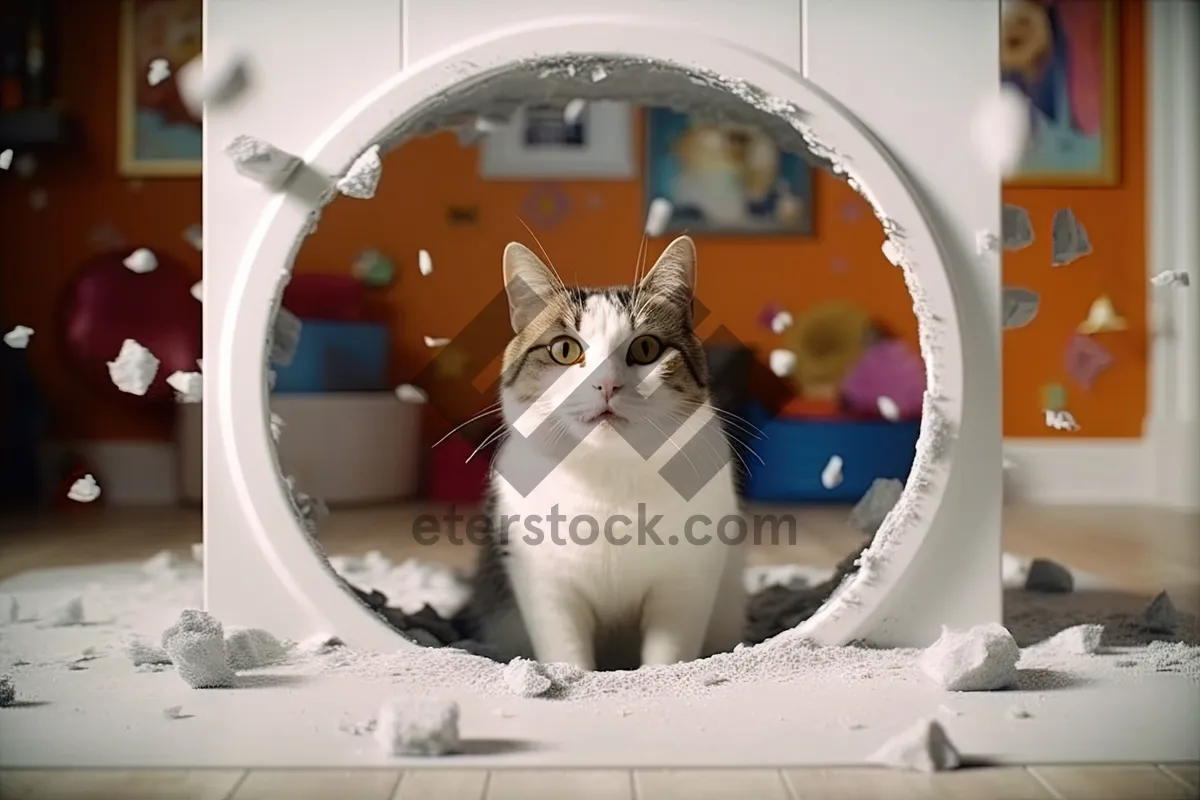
613 363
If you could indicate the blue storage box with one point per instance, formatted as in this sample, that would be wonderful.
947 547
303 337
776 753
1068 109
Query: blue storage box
337 357
796 451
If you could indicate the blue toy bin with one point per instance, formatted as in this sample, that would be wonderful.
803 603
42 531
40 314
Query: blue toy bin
337 357
795 451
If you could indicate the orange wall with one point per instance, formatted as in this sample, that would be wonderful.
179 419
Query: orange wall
596 242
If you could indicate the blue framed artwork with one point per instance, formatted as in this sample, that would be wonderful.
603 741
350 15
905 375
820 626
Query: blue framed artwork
725 178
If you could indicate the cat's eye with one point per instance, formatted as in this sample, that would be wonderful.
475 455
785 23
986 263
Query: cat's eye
565 350
644 350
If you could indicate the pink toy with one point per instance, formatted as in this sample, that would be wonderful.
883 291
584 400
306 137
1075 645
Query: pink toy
887 369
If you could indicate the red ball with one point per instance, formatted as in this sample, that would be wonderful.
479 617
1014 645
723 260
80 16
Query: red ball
107 303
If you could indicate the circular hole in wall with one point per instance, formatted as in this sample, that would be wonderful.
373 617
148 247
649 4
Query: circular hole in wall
723 164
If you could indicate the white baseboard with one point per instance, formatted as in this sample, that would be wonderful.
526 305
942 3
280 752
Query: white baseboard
129 473
1083 471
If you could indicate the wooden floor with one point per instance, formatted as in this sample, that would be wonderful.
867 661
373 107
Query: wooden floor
1139 550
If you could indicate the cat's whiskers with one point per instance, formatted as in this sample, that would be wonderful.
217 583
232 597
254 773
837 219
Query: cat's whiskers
492 437
674 444
494 408
703 433
728 417
729 442
549 263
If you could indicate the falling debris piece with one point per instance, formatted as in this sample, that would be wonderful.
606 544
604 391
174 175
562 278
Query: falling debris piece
1049 577
198 290
1016 712
173 712
251 648
526 678
261 161
1179 280
18 337
196 645
979 659
220 81
869 513
1068 239
321 643
8 691
159 71
986 242
781 322
407 393
831 476
141 261
423 727
1016 227
658 216
6 159
598 74
10 609
84 490
891 252
67 613
1018 306
1081 640
888 408
1086 360
277 425
189 386
574 110
1000 130
782 362
285 337
1160 616
194 235
134 369
1061 421
361 180
425 262
1102 318
1014 571
433 342
924 747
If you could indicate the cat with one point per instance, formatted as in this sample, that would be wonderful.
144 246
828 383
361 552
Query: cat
587 373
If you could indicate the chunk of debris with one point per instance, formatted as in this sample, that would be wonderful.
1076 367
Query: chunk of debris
923 747
84 490
164 562
261 161
18 337
423 727
1049 576
134 368
658 216
67 613
362 178
574 110
285 337
434 342
173 712
425 262
407 393
526 678
251 648
980 659
831 476
782 362
196 645
1160 616
1016 712
8 691
1081 640
6 158
321 643
888 408
194 235
212 78
140 651
870 511
188 386
141 261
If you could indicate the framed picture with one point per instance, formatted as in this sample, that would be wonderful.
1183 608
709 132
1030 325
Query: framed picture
725 178
540 142
1063 54
156 135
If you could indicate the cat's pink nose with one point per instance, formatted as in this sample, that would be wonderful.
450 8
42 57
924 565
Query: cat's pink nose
608 389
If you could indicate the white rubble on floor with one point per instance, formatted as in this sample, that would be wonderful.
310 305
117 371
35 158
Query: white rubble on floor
252 648
922 747
362 178
418 727
1160 616
1079 640
66 613
980 659
526 678
196 645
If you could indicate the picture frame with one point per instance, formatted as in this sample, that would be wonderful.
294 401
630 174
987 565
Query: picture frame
1064 56
725 179
538 143
156 135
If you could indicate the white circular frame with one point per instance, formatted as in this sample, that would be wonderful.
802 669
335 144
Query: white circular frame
243 404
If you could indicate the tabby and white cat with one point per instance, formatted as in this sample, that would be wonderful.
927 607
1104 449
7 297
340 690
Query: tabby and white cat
591 377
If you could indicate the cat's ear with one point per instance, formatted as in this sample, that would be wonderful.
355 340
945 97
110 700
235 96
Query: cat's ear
673 276
530 284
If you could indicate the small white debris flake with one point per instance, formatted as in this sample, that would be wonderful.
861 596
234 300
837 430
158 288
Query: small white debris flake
159 71
574 110
219 82
198 290
1061 421
888 408
134 369
658 216
425 262
194 235
6 159
598 74
781 322
18 337
783 362
84 490
261 161
1179 280
361 180
1000 129
188 385
831 476
277 426
986 242
407 393
891 252
433 342
141 261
